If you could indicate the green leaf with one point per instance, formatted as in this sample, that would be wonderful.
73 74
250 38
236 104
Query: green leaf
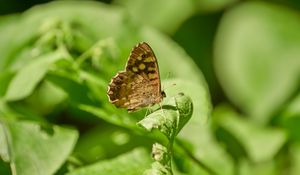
117 119
166 18
103 55
76 91
169 55
176 111
46 98
17 111
4 168
200 147
4 154
131 163
39 21
157 169
290 118
202 26
8 31
26 79
295 160
96 84
170 121
5 78
187 164
99 143
292 109
251 136
86 84
37 150
87 13
188 79
213 5
264 168
257 57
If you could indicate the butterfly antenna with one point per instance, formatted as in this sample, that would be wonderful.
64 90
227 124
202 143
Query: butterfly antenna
166 87
167 77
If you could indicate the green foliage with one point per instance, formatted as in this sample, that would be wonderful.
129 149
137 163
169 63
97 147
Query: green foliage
139 156
51 146
257 58
168 122
58 58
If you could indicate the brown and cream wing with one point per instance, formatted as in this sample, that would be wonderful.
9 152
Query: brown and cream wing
139 85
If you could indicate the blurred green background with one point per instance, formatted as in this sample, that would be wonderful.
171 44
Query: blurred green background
238 60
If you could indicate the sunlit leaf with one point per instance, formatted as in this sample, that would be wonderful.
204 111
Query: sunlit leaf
250 136
27 78
166 17
38 150
257 57
138 157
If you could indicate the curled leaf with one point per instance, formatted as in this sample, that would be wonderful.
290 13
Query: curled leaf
171 118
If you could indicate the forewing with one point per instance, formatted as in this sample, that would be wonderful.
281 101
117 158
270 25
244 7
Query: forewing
142 61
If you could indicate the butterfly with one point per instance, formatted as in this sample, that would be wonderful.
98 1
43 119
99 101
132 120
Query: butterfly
139 84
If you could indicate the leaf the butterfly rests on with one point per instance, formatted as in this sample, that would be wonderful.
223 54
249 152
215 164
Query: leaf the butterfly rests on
139 84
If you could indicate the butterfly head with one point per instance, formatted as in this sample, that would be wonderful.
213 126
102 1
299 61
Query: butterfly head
163 94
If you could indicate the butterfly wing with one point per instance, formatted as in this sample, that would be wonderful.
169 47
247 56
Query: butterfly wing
118 89
139 85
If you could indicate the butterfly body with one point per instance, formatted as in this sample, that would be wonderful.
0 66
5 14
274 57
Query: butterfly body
139 84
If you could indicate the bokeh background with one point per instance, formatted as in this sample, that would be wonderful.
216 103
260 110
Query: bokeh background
239 60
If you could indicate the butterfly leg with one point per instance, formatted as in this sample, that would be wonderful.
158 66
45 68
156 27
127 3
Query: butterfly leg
163 112
148 111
